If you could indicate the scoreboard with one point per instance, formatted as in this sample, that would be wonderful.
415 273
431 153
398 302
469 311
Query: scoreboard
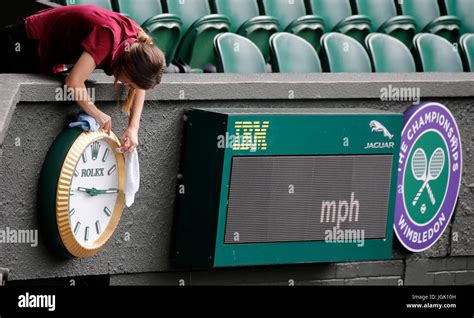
282 186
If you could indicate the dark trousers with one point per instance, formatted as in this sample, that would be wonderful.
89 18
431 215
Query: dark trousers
18 54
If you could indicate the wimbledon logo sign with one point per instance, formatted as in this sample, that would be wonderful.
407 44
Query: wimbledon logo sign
429 175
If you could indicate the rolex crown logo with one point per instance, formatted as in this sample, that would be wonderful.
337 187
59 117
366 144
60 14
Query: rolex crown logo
95 149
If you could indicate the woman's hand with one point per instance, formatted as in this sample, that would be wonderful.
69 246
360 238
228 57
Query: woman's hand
104 121
130 139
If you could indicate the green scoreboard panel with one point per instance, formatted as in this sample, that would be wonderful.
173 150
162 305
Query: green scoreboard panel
281 186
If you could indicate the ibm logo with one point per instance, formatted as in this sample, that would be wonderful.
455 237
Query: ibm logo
251 135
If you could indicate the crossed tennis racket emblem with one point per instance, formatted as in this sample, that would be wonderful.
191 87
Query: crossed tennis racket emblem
426 172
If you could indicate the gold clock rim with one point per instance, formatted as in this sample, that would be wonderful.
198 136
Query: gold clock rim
63 190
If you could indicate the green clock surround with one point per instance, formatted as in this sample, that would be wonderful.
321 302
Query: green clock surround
55 186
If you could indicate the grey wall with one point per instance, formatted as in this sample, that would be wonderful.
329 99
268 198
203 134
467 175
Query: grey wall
30 119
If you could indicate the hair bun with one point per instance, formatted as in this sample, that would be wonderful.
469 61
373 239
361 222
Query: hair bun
144 38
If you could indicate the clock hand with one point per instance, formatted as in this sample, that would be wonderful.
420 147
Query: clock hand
107 191
111 190
82 189
94 191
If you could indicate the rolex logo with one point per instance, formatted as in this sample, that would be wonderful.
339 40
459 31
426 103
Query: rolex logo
95 146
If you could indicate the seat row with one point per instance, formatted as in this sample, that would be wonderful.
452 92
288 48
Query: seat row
341 53
185 29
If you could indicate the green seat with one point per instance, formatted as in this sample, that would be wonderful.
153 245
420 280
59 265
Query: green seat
138 12
292 54
339 18
199 28
467 49
245 20
164 28
464 10
104 4
428 19
383 14
342 53
389 55
293 19
436 54
237 54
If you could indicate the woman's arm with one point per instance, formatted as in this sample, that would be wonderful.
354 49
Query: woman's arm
130 136
84 66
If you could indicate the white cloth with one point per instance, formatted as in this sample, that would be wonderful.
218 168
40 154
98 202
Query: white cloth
132 176
132 168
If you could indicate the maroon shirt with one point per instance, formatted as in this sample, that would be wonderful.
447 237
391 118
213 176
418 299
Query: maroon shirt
65 32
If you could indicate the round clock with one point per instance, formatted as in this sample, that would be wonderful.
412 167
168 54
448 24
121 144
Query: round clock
80 195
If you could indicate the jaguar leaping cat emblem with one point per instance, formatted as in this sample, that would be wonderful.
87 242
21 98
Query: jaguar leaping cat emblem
378 127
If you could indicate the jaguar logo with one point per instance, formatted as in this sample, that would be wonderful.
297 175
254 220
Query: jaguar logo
378 127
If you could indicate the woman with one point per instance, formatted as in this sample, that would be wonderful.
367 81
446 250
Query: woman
88 37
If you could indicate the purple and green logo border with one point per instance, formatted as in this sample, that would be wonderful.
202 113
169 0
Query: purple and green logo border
424 125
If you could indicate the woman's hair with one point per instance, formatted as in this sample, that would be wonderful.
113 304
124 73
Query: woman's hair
143 63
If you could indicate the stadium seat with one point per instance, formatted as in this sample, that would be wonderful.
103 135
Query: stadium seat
138 12
237 54
199 28
464 10
436 54
293 19
428 19
341 53
383 14
339 18
292 54
164 28
105 4
389 55
467 49
245 20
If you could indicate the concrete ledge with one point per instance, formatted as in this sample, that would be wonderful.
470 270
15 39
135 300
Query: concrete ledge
17 88
37 88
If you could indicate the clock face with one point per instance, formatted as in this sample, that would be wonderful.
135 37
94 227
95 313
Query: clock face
93 192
